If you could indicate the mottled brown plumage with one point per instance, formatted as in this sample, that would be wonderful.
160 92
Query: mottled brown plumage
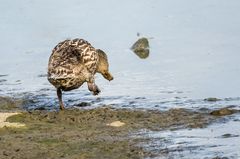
74 62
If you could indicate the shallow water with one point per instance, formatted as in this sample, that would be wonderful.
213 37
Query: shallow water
198 143
193 52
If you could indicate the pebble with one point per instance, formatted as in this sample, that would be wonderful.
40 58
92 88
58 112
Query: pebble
116 124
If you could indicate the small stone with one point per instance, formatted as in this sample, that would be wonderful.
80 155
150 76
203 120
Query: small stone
17 150
141 48
212 99
5 153
222 112
83 104
229 135
116 124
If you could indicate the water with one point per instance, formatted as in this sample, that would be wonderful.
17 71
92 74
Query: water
194 51
196 143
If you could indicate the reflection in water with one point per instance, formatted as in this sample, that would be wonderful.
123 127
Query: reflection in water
195 45
141 48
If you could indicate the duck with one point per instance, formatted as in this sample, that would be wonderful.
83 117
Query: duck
75 62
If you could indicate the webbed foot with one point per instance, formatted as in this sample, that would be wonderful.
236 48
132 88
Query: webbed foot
94 88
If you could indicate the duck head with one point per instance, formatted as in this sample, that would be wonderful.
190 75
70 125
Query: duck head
103 65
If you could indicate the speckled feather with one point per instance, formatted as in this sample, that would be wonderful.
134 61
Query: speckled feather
72 63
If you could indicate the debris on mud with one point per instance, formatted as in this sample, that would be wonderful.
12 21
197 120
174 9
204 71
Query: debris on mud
116 124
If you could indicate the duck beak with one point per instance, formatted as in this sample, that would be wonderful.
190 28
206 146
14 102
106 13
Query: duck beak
108 76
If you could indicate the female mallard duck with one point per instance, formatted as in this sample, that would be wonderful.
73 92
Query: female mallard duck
74 62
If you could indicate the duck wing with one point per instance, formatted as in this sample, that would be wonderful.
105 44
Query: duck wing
71 57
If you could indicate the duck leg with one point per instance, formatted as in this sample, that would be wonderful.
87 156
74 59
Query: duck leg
59 94
93 87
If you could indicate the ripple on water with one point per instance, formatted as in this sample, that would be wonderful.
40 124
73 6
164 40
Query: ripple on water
2 81
3 75
217 140
42 75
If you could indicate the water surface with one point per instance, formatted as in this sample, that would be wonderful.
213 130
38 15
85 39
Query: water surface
194 52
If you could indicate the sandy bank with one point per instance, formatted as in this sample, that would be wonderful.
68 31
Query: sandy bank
4 123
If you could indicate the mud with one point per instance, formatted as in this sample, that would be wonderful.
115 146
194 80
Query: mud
79 133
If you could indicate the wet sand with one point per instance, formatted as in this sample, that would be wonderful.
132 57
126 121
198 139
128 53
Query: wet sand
3 123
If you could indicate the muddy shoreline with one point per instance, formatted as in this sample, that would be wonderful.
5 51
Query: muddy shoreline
81 133
89 133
